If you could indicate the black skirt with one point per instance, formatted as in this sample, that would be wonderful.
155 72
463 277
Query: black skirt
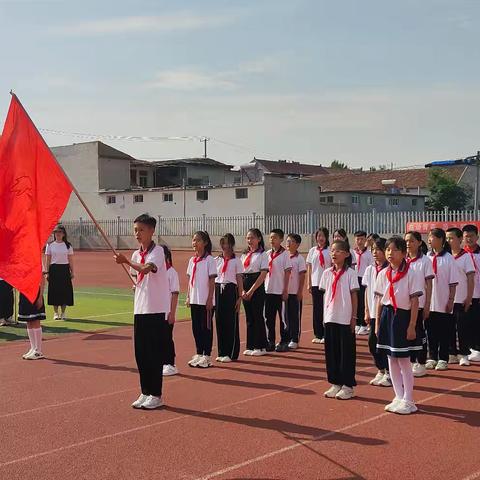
60 288
392 333
28 312
6 299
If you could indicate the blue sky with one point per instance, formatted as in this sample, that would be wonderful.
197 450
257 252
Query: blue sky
365 82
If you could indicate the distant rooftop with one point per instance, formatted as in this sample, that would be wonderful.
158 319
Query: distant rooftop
284 167
191 161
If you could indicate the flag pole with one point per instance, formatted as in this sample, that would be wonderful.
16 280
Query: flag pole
90 214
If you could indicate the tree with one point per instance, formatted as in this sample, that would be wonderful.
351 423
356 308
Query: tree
339 165
444 192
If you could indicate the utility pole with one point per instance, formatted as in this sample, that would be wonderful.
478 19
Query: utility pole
204 140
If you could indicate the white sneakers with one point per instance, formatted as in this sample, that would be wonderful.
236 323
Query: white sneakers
381 379
442 365
33 355
339 392
474 356
317 340
452 359
464 362
194 360
363 330
169 370
204 362
293 345
225 359
139 401
248 352
332 391
431 364
400 406
419 370
5 322
378 377
258 352
147 402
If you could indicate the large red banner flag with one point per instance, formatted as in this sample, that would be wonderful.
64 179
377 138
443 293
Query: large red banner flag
34 192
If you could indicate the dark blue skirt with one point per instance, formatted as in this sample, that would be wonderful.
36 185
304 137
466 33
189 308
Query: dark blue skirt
28 312
392 333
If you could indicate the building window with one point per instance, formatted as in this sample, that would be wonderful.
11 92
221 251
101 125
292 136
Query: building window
393 202
168 197
143 178
111 199
241 193
330 199
138 199
370 201
323 199
202 195
237 180
414 202
355 200
133 177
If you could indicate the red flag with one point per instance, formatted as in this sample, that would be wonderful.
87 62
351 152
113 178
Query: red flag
34 192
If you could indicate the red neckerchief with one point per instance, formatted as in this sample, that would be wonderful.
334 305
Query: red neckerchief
143 255
321 257
398 276
471 251
248 258
435 256
379 268
413 260
359 254
168 264
460 254
336 279
273 256
196 259
294 255
225 264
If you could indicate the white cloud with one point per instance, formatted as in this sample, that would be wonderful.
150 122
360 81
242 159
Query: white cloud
179 21
190 80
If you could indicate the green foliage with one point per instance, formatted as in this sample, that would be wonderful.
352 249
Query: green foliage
339 165
444 192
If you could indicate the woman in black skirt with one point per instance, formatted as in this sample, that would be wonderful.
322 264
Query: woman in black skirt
59 271
6 303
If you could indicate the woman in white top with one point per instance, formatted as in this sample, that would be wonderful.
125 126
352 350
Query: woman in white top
59 272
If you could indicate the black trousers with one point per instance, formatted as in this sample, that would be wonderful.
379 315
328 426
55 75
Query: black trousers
150 334
340 354
317 303
460 327
202 328
294 318
474 324
420 356
169 347
6 299
275 305
379 356
439 326
226 319
361 304
256 332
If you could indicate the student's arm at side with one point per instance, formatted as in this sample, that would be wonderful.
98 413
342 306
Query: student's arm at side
309 277
451 298
286 279
239 278
470 286
211 291
70 263
187 300
301 284
379 312
368 317
353 320
173 308
48 259
428 298
259 281
411 330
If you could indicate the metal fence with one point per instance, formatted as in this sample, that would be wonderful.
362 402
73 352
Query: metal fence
306 223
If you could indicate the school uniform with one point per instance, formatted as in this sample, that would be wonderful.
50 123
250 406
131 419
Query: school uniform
363 258
340 348
6 300
252 264
226 296
278 263
200 271
319 260
60 288
395 289
28 312
460 324
368 281
173 288
294 305
474 311
150 329
439 323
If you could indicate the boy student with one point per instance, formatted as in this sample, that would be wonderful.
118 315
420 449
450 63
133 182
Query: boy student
151 307
463 298
364 258
276 286
295 289
470 245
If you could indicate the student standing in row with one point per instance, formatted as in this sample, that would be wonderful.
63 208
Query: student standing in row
201 272
255 269
341 234
295 290
59 271
228 297
363 258
463 299
340 284
382 378
6 303
318 260
169 367
276 287
419 262
399 287
440 321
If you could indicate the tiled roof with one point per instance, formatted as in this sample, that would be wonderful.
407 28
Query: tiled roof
192 161
282 167
372 181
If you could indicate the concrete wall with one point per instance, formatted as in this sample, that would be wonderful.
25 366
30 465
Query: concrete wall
114 173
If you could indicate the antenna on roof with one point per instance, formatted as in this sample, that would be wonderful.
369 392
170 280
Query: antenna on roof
204 140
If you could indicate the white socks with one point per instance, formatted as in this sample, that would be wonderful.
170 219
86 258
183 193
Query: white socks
35 337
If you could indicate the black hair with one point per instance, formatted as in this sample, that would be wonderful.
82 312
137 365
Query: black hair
229 239
380 243
295 237
456 231
146 219
440 233
418 237
206 239
360 233
345 246
64 231
398 242
168 255
470 228
343 234
326 233
278 231
259 235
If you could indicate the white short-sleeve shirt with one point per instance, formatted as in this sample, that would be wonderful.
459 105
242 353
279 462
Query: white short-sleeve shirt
475 256
364 259
313 259
447 274
152 293
234 268
206 269
368 280
465 266
173 281
411 285
298 266
275 279
258 262
59 253
340 309
424 266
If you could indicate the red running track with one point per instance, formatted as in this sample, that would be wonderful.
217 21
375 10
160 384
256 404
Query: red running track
69 416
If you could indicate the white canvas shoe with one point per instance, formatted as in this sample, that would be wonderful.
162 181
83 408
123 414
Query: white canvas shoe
204 362
34 356
139 401
345 393
442 365
25 355
258 352
151 403
393 405
404 407
376 380
332 391
385 381
194 360
169 370
419 370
